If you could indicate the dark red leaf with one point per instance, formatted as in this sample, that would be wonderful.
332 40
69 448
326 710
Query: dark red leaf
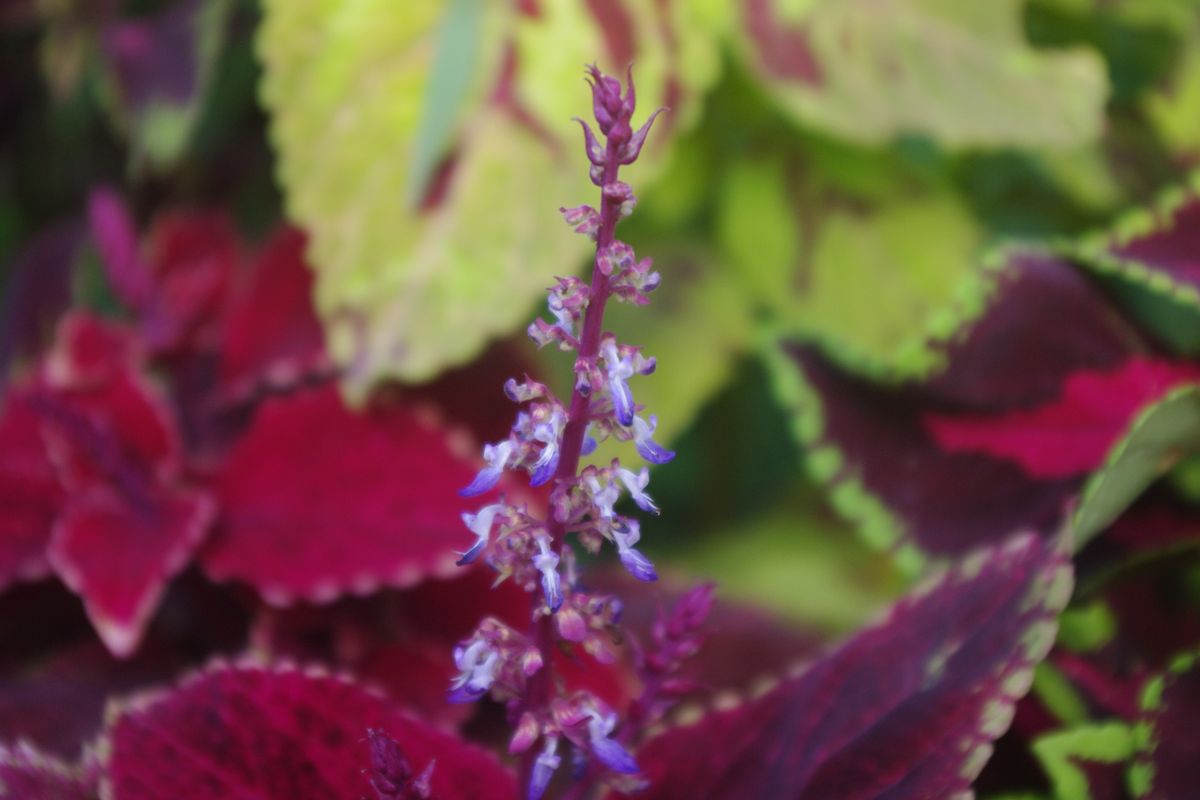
907 708
255 732
1171 245
127 525
319 501
30 495
26 774
271 337
1171 706
118 553
1045 346
782 50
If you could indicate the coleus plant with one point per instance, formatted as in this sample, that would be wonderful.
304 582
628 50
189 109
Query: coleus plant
910 707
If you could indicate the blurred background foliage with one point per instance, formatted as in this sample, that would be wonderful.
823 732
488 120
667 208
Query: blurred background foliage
836 168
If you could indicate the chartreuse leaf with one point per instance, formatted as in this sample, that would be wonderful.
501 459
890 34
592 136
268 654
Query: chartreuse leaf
907 708
1102 742
1058 695
961 73
1164 767
823 269
800 563
402 292
358 115
1160 436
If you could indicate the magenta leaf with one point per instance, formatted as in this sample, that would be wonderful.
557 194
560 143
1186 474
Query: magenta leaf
1033 393
271 337
1072 434
907 708
319 501
259 732
30 495
1165 769
128 524
26 774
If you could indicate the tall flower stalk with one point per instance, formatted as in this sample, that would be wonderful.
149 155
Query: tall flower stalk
548 441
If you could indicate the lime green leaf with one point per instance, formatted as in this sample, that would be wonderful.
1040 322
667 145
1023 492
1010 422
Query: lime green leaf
1157 440
959 72
370 108
1106 743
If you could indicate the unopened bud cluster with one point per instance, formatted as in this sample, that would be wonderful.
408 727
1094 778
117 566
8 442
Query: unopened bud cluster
546 442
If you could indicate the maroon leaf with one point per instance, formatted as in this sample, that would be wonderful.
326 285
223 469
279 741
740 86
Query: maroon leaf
26 774
127 525
990 443
1168 243
1170 706
271 337
907 708
254 732
319 501
118 554
30 495
178 286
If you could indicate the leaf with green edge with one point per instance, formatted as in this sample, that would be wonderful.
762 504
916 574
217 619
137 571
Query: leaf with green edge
1058 752
405 292
820 265
907 708
1157 439
961 73
1164 766
1151 257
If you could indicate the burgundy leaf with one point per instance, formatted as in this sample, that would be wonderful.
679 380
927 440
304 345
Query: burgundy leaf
178 286
1166 766
26 774
1072 434
271 337
261 733
1168 242
907 708
128 524
987 444
30 495
319 501
56 702
38 290
118 553
782 49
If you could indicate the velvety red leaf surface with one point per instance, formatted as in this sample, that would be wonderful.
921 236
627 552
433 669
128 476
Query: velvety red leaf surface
907 708
271 337
127 525
1047 349
1173 247
26 774
118 552
30 495
1176 748
318 501
262 734
1072 434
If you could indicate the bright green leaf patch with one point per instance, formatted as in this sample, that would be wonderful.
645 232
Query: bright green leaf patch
1159 438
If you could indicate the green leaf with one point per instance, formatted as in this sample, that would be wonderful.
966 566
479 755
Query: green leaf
369 105
864 276
801 563
959 72
1158 439
1106 743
